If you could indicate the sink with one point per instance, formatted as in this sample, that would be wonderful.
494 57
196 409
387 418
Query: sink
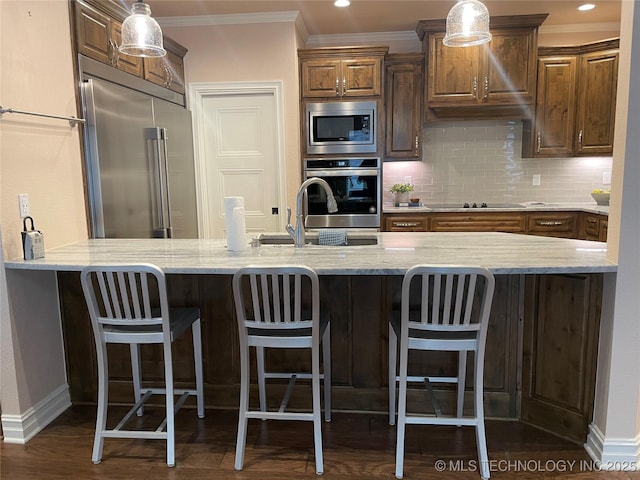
353 240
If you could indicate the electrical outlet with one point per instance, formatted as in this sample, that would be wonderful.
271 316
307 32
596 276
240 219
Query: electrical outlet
536 179
606 178
23 204
407 179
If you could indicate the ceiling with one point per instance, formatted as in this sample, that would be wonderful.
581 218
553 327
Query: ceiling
369 16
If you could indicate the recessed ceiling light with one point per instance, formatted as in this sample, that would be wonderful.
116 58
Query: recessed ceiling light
586 6
342 3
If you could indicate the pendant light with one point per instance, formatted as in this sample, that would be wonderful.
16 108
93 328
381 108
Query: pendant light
141 34
467 24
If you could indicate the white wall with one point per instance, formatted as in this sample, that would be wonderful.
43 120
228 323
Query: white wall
40 157
250 53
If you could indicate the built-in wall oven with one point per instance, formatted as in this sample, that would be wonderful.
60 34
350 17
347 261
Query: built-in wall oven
356 183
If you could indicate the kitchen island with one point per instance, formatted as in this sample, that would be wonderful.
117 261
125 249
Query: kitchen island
541 346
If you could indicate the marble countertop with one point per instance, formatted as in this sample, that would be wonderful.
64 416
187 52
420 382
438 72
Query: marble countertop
502 253
524 207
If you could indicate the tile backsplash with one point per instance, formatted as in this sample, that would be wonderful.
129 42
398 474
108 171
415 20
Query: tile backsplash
481 161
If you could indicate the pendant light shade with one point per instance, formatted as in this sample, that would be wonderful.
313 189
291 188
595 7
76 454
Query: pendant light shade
141 34
467 24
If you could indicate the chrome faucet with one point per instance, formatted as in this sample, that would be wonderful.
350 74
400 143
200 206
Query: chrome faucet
298 233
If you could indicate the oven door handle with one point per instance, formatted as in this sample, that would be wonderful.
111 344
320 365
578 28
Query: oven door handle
340 172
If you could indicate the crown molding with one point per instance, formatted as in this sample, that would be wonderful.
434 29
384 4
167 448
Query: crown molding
580 28
292 16
357 38
229 19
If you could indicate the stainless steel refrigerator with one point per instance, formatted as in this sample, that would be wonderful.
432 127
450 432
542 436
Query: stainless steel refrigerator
139 163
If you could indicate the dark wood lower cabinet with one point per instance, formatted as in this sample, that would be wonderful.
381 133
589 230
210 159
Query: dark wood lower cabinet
561 326
360 307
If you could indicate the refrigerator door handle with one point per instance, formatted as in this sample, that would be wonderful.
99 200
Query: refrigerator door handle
165 159
154 137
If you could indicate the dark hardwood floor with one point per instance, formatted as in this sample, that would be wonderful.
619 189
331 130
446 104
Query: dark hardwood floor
359 446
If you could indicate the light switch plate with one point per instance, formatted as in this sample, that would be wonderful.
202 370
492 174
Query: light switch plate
606 178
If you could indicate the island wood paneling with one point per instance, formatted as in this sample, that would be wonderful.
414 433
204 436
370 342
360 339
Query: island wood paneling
359 308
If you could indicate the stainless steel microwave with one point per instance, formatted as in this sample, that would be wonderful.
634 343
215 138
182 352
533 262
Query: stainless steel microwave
341 127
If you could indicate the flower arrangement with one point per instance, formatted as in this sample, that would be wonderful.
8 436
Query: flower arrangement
401 188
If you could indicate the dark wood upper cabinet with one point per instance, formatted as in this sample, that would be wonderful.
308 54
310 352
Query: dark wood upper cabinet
341 72
403 106
98 34
167 71
597 89
497 79
576 101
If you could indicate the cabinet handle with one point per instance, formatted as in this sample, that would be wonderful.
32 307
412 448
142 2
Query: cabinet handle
592 220
539 142
168 77
344 85
550 223
417 144
405 224
113 53
337 86
486 88
580 141
475 87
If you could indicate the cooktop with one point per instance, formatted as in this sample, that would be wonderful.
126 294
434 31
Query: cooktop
472 205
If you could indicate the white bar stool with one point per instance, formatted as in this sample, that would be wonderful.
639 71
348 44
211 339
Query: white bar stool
128 304
452 315
271 312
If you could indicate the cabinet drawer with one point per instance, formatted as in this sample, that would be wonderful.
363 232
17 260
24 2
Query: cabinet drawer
552 224
409 223
591 227
479 222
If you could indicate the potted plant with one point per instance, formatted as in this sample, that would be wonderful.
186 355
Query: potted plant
401 192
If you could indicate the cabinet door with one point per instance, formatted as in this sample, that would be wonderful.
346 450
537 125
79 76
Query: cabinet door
590 229
555 106
597 88
361 77
452 73
508 70
126 63
403 110
560 348
604 230
321 78
167 71
93 33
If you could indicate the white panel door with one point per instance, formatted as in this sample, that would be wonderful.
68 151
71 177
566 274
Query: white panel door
240 147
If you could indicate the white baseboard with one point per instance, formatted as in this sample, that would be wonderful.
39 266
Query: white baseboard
22 428
613 453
